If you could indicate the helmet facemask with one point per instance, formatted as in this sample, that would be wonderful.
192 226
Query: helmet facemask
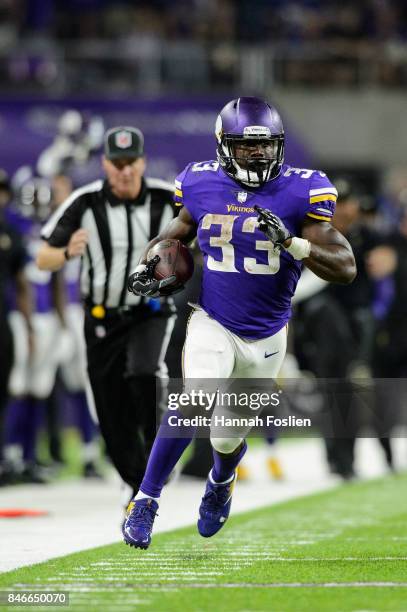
251 161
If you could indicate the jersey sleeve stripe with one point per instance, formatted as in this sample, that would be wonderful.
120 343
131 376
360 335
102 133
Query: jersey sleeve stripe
178 198
323 210
314 192
319 217
323 198
178 184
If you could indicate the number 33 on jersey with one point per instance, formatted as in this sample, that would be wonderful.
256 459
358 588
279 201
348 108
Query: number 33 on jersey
238 259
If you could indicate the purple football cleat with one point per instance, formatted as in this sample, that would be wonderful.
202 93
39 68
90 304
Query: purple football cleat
139 521
215 507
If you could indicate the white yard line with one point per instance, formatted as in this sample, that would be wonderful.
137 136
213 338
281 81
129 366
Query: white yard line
85 514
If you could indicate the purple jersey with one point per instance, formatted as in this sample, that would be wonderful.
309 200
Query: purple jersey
247 284
40 280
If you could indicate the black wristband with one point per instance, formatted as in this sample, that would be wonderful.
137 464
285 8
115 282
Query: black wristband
66 254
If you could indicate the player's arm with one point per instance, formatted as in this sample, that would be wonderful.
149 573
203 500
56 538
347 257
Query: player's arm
331 256
321 247
141 281
58 296
24 304
23 296
182 228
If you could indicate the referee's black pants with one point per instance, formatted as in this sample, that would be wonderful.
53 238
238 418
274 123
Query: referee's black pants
125 353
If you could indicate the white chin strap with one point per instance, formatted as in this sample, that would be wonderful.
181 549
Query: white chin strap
248 177
244 176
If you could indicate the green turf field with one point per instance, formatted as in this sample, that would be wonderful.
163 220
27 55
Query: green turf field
341 550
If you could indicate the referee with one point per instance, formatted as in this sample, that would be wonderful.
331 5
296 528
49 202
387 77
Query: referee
108 223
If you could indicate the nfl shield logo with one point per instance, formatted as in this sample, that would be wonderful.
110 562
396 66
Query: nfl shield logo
241 197
123 139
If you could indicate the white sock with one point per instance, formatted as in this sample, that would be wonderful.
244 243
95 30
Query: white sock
224 482
141 495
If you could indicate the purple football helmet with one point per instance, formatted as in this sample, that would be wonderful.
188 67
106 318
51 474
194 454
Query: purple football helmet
250 138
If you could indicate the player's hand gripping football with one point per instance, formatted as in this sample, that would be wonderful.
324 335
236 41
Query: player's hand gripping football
143 283
273 227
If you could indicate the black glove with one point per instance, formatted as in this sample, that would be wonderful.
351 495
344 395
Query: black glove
143 283
272 226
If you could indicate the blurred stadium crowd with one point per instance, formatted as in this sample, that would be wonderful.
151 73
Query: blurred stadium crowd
80 45
356 335
210 20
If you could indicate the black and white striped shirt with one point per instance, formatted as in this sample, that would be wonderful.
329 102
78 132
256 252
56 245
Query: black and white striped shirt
118 233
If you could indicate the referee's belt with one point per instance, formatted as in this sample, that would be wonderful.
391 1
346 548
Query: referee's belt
98 311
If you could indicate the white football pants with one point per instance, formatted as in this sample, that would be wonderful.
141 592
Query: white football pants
35 374
211 352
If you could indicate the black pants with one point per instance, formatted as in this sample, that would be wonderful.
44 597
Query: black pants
327 346
125 353
6 362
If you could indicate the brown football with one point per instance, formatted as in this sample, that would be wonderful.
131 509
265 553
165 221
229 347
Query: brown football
175 259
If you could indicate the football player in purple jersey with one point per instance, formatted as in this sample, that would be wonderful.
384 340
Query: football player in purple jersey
258 221
35 367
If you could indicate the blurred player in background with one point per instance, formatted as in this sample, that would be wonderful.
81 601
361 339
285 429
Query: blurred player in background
78 137
257 221
335 328
387 266
14 287
33 376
